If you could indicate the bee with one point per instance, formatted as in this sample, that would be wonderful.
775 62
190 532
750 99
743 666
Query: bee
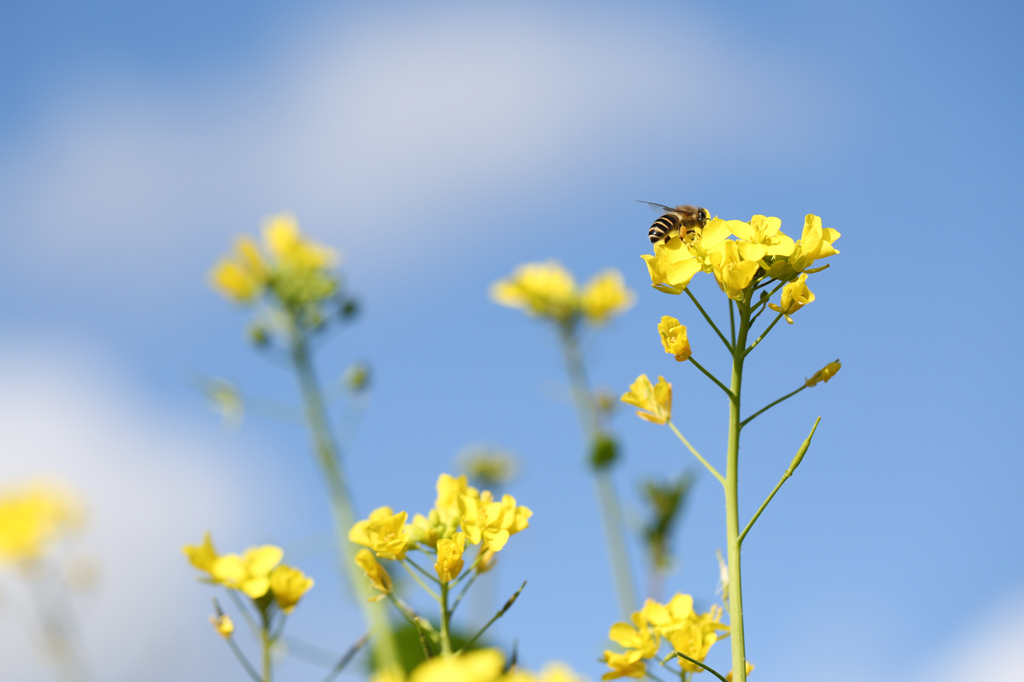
688 220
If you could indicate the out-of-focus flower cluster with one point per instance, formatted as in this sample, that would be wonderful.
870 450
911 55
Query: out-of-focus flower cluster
737 252
549 290
33 517
257 572
483 665
675 623
461 514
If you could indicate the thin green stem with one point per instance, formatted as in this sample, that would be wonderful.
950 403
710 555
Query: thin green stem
732 322
713 470
611 516
764 333
419 580
710 376
414 621
265 646
771 405
347 658
708 668
465 589
243 609
243 660
732 522
342 510
708 318
425 573
785 477
446 640
499 614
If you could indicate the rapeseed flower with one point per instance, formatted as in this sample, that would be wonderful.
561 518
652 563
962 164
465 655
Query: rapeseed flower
248 573
384 532
243 275
655 402
541 289
449 557
490 522
223 625
795 295
673 338
482 665
202 556
289 585
824 374
636 636
605 296
33 517
290 249
379 578
626 664
735 265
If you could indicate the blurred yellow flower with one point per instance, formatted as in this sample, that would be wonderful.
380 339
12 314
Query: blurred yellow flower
749 666
449 557
553 672
673 338
379 578
286 244
223 625
384 532
636 636
542 289
482 665
249 573
605 296
667 618
824 374
288 585
626 664
490 522
241 276
449 491
202 556
655 402
32 517
795 295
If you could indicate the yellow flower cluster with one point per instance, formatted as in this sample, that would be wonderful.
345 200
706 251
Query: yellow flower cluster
256 572
293 267
483 665
654 401
33 517
461 514
676 622
759 249
549 290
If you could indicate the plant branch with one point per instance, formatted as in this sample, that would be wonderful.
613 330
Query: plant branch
349 655
499 614
710 376
771 405
713 470
708 318
764 333
419 580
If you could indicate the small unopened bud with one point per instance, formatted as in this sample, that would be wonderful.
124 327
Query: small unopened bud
223 625
824 374
357 377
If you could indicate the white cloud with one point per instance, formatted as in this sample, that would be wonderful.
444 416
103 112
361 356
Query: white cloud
150 484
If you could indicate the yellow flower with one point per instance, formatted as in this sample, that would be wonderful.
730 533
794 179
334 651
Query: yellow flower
667 618
390 675
749 666
449 557
482 665
735 265
626 664
288 585
637 636
449 491
242 276
223 625
285 242
674 263
815 244
795 296
673 338
384 532
379 578
490 522
34 516
605 296
553 672
656 400
824 374
696 636
542 289
249 573
202 556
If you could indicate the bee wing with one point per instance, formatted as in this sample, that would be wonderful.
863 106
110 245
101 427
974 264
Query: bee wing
657 208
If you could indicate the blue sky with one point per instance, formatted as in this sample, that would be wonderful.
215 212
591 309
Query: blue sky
438 145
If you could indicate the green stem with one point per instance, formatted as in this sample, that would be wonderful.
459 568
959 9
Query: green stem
243 660
764 333
785 477
342 510
710 376
708 318
446 641
419 580
465 589
732 321
771 405
611 515
499 614
732 520
265 646
426 573
713 470
347 658
696 662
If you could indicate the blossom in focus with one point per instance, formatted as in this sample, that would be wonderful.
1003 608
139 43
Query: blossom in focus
673 338
379 578
248 573
34 516
795 295
482 665
384 532
605 296
449 557
223 625
735 266
288 585
541 289
655 402
490 522
242 276
674 263
290 249
824 374
626 664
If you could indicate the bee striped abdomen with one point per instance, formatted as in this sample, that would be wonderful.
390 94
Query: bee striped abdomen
662 226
